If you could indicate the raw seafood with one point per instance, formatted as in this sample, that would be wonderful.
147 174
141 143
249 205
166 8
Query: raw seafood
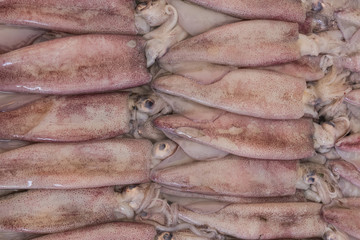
79 118
73 65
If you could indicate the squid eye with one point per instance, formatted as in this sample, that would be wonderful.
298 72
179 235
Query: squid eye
163 149
165 236
317 7
146 105
127 189
149 103
141 6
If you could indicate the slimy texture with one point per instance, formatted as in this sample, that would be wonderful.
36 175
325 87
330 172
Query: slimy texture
47 211
251 92
246 136
73 65
68 119
243 44
260 221
76 165
83 16
232 176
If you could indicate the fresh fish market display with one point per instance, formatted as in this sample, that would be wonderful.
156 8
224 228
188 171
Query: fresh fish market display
179 119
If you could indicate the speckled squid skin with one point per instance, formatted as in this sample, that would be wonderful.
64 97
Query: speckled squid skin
83 16
119 230
251 92
246 136
262 221
344 214
48 211
244 44
73 65
76 165
286 10
232 176
68 118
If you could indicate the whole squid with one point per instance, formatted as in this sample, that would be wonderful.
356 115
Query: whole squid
248 136
273 220
73 65
256 92
81 165
267 42
50 211
80 118
241 177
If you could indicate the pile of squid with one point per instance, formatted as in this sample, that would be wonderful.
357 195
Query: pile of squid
179 119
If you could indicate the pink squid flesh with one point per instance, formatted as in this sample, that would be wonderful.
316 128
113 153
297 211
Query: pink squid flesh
69 118
118 230
291 11
76 165
73 65
13 37
344 214
346 170
262 43
251 92
349 149
246 136
232 176
106 16
307 67
259 221
47 211
353 97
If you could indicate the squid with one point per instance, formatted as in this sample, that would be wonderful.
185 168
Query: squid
235 176
108 16
273 220
51 211
74 65
267 42
81 118
258 93
248 136
118 230
101 163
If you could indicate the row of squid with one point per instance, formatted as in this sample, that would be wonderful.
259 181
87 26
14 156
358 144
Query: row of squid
172 120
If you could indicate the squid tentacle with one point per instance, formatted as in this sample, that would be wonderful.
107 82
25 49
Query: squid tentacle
321 182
